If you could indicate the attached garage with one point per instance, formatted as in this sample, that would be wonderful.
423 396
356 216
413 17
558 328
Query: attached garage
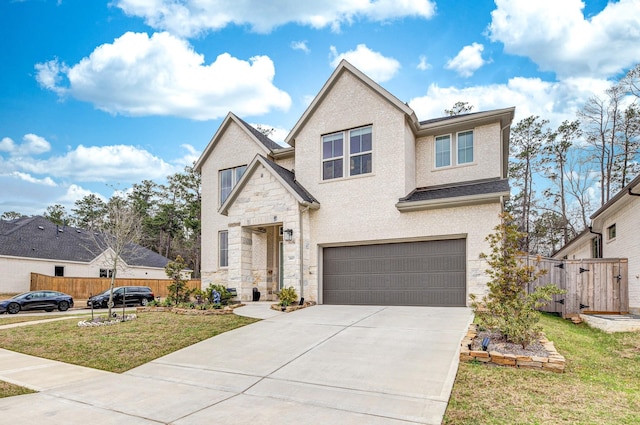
427 273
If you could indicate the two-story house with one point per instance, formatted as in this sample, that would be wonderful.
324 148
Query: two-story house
367 204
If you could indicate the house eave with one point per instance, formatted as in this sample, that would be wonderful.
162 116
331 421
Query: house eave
461 201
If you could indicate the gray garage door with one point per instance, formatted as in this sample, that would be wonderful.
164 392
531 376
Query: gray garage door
430 273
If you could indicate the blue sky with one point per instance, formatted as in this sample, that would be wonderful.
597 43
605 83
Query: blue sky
103 94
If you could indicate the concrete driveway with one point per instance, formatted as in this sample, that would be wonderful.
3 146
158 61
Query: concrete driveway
320 365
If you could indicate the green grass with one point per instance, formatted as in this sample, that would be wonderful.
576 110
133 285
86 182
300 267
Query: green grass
4 320
9 390
120 347
601 384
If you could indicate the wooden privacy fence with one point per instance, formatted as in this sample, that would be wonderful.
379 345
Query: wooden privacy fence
593 285
83 287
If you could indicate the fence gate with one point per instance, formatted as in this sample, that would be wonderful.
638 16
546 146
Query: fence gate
593 285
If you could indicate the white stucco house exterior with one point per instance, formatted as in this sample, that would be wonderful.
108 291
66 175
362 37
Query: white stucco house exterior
366 204
36 245
612 234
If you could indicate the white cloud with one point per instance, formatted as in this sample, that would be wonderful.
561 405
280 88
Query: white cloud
47 181
380 68
300 45
423 65
32 145
192 17
191 155
162 75
557 36
468 60
555 101
75 193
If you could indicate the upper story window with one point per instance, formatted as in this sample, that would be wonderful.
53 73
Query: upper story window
596 247
228 179
611 232
462 146
358 156
443 151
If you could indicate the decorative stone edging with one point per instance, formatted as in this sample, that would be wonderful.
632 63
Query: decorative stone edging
113 321
191 311
290 308
555 362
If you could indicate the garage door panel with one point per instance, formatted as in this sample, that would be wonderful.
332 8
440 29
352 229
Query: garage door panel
410 273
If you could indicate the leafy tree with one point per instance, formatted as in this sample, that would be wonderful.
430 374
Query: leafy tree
89 212
57 214
555 157
508 307
459 108
178 290
11 215
527 139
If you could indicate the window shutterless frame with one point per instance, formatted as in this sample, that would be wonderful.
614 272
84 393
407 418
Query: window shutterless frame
442 151
223 248
227 179
352 147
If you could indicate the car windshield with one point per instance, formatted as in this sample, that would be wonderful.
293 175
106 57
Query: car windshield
16 297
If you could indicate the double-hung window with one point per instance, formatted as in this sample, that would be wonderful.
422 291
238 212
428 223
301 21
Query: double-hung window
465 147
443 151
332 156
358 154
223 248
228 179
461 146
360 151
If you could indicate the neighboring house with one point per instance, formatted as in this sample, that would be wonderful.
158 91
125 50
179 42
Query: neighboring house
36 245
612 234
367 205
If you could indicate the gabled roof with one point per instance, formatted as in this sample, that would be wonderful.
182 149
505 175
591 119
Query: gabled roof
624 192
37 237
454 195
343 67
285 177
267 145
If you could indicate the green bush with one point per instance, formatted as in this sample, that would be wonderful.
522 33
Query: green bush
178 292
508 307
225 296
287 296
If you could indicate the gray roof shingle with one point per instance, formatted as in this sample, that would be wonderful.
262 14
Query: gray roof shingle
290 178
477 187
37 237
270 144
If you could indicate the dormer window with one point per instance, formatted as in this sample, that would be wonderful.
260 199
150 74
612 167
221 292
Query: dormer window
359 155
462 146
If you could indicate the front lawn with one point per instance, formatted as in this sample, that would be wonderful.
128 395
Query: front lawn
601 383
120 347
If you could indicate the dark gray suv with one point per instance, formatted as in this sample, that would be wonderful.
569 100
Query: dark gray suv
128 295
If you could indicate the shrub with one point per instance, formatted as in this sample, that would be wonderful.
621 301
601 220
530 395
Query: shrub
287 296
508 307
225 296
178 290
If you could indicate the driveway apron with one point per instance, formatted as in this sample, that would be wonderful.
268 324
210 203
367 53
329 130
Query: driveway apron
319 365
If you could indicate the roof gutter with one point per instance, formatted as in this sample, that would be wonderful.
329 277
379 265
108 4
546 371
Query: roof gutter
461 201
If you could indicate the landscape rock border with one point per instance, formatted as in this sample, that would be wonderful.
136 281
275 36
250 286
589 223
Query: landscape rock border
554 362
294 307
106 321
192 311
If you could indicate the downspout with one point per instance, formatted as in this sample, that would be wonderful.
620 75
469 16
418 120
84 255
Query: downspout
632 194
300 218
600 244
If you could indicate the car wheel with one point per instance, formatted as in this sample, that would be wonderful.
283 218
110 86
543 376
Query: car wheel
63 306
13 308
144 301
